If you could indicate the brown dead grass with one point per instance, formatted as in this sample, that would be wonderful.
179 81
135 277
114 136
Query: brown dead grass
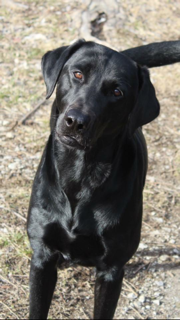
26 34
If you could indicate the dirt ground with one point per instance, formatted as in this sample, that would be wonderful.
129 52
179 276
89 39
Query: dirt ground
151 288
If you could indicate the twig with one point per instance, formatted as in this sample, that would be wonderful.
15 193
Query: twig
12 284
87 314
155 208
162 188
140 268
15 213
42 136
147 225
27 116
32 112
17 248
9 309
18 215
171 275
140 317
151 263
13 126
129 286
20 275
149 192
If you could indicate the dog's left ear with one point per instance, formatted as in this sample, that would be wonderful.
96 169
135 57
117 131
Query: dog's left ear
147 107
53 62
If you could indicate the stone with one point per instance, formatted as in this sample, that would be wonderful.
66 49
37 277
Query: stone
142 298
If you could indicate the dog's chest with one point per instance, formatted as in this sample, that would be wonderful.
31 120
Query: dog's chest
75 243
74 232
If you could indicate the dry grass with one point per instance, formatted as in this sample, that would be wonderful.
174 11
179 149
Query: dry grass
27 32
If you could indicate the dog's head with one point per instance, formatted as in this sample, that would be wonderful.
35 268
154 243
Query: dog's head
99 93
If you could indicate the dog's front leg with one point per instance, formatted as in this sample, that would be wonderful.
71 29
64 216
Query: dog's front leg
107 291
43 277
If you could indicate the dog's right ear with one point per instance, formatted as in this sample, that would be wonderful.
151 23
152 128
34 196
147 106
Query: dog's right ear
53 62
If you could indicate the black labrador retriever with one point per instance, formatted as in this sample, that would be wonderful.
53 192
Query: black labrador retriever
86 203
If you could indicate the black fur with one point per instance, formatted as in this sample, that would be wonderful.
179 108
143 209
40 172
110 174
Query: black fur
155 54
86 203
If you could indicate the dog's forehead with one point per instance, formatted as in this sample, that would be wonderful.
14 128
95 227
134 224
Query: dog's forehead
104 60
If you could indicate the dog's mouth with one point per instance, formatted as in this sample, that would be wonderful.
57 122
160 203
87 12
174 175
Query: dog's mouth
75 142
71 141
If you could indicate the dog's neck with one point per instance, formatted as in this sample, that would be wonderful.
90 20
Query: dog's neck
78 167
75 171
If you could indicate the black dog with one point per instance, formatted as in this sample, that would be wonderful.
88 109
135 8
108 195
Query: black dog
86 203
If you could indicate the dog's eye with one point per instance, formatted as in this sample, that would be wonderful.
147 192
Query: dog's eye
117 93
78 75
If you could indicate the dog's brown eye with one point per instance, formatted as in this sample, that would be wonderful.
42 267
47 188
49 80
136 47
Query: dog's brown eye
118 93
78 75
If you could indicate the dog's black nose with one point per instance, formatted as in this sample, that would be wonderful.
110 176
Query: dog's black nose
76 120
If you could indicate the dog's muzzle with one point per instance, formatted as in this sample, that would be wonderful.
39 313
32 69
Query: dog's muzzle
76 126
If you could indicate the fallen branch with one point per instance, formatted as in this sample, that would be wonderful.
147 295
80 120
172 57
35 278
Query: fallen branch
32 112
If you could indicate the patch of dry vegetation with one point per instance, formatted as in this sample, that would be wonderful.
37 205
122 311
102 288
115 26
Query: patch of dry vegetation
28 29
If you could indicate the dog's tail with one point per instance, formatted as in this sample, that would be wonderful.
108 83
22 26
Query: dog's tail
155 54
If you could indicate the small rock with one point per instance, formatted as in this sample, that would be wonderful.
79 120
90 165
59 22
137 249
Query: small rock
176 257
172 241
142 245
159 283
132 296
156 294
141 298
176 251
9 135
153 213
159 220
158 155
157 302
13 166
147 307
5 122
4 230
150 178
164 257
155 233
43 21
148 258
